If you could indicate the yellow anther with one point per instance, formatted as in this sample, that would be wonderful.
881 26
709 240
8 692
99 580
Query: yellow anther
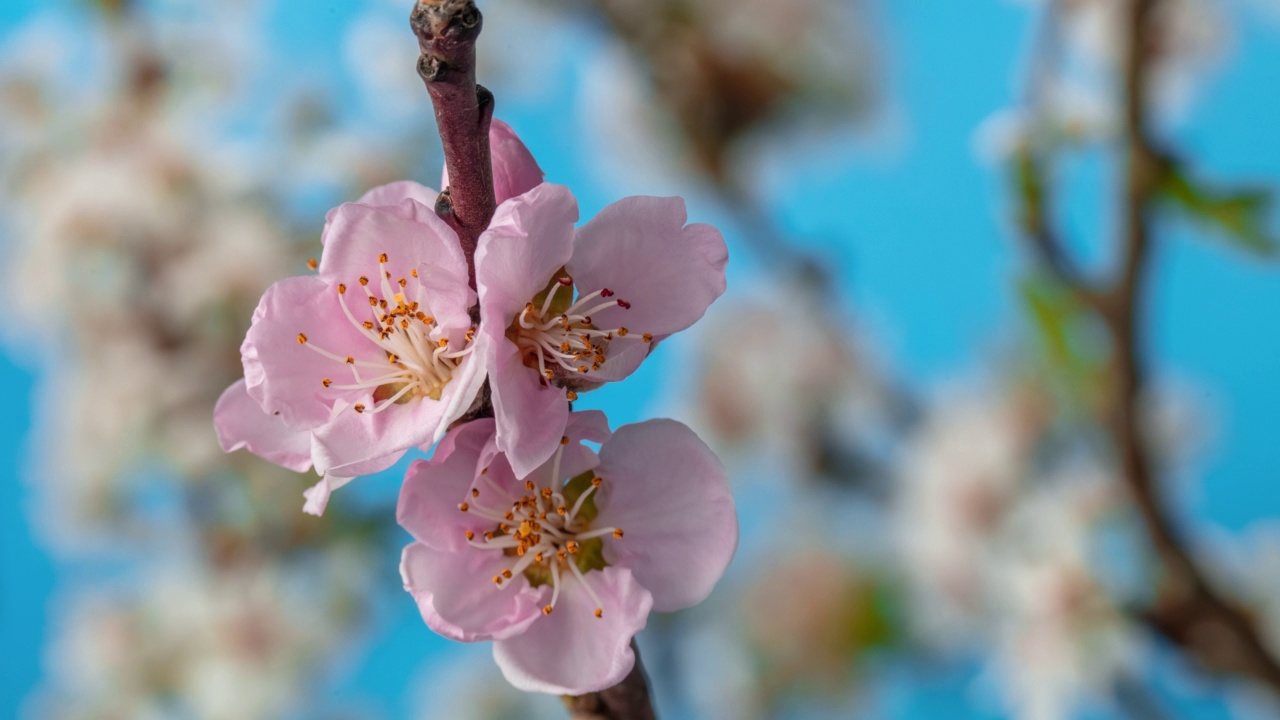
599 612
393 358
444 342
342 289
470 535
546 610
382 258
622 332
414 272
617 534
571 396
302 339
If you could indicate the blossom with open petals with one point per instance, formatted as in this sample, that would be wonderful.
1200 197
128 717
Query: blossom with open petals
565 310
561 566
349 368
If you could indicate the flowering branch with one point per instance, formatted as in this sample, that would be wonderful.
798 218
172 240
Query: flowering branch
628 700
447 31
1188 611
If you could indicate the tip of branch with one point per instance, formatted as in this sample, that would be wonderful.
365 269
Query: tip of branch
445 20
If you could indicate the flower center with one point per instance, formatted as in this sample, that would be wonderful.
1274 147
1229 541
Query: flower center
420 362
557 336
546 532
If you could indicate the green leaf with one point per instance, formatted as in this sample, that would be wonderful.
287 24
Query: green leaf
1239 214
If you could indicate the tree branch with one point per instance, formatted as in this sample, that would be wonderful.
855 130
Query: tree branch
447 31
1189 611
628 700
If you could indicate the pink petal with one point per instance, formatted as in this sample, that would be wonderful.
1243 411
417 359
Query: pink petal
576 458
530 238
515 172
531 416
641 249
317 496
463 597
670 495
286 377
413 238
432 489
395 193
388 195
241 424
353 438
571 651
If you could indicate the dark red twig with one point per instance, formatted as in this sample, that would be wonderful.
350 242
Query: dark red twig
447 31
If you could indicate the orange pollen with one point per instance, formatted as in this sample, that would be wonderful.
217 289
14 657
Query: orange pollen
546 610
648 337
373 301
312 264
564 439
571 396
497 579
444 342
475 492
597 482
617 534
382 258
302 339
393 358
599 612
506 574
470 535
464 507
359 407
326 382
528 485
364 280
350 360
402 282
622 332
368 324
414 272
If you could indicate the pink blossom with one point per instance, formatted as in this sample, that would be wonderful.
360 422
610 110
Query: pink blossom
564 311
368 358
540 563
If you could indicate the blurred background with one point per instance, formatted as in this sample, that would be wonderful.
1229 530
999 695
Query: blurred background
910 393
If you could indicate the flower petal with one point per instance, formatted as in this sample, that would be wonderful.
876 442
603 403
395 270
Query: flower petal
529 239
432 489
413 239
571 651
515 172
388 195
670 495
531 416
641 249
462 594
353 438
317 496
241 424
395 193
286 377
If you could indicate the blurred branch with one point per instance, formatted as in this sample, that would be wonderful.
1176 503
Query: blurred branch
628 700
1188 611
447 31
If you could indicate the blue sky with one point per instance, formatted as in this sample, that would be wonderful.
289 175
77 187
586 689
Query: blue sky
926 260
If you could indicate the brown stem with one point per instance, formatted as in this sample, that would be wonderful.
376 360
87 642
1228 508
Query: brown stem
1189 612
447 31
628 700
